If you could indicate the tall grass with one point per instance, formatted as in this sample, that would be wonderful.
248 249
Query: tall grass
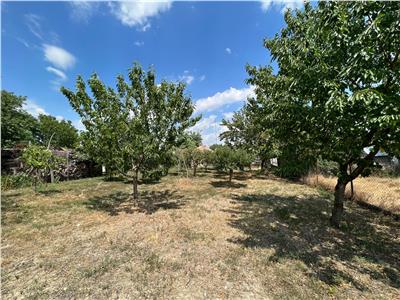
382 192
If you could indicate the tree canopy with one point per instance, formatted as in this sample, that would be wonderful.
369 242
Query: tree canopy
16 124
134 127
61 132
337 90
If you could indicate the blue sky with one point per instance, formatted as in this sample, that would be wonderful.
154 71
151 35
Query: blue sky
206 44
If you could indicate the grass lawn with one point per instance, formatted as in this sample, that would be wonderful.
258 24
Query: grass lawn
257 238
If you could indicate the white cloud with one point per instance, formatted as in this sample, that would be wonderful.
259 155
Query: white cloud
33 23
60 118
186 77
284 4
78 124
210 128
220 99
59 57
32 108
138 13
228 50
82 11
228 115
202 77
145 27
60 74
139 43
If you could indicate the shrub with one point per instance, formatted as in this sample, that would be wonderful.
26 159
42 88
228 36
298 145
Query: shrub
9 182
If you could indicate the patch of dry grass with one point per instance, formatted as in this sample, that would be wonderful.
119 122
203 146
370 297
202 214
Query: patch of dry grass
196 238
377 191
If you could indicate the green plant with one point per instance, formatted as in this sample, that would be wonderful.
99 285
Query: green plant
40 159
134 128
9 182
337 89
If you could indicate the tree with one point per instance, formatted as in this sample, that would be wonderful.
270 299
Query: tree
227 159
134 128
337 90
16 124
40 159
61 133
192 139
245 131
208 158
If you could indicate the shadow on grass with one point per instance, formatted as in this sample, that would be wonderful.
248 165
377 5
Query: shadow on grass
48 192
243 175
148 202
227 184
297 228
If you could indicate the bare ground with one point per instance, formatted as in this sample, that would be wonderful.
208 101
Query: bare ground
197 238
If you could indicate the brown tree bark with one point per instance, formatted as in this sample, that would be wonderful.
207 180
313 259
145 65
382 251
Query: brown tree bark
135 185
194 170
230 175
338 204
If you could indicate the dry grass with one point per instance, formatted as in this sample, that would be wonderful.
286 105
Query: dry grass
198 238
377 191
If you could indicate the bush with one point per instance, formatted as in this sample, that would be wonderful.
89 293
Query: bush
293 164
9 182
327 167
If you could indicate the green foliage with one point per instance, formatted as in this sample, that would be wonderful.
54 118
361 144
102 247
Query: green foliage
191 139
294 162
337 90
228 159
20 180
208 158
133 128
17 126
62 133
39 158
326 167
245 131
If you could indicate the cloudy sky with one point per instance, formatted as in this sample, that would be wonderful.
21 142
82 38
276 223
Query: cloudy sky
205 44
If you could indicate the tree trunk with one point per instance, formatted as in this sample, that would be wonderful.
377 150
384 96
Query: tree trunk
135 185
194 170
230 175
262 165
51 176
338 204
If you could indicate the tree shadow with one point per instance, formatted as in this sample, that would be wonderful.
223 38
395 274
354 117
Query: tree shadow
48 192
298 228
148 202
227 184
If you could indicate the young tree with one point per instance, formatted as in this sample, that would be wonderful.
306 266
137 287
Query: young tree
208 158
245 131
337 90
227 159
133 128
61 133
40 159
16 124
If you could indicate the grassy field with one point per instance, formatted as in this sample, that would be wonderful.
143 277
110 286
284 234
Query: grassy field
198 238
382 192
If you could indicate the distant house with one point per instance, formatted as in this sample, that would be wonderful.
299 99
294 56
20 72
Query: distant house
383 159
